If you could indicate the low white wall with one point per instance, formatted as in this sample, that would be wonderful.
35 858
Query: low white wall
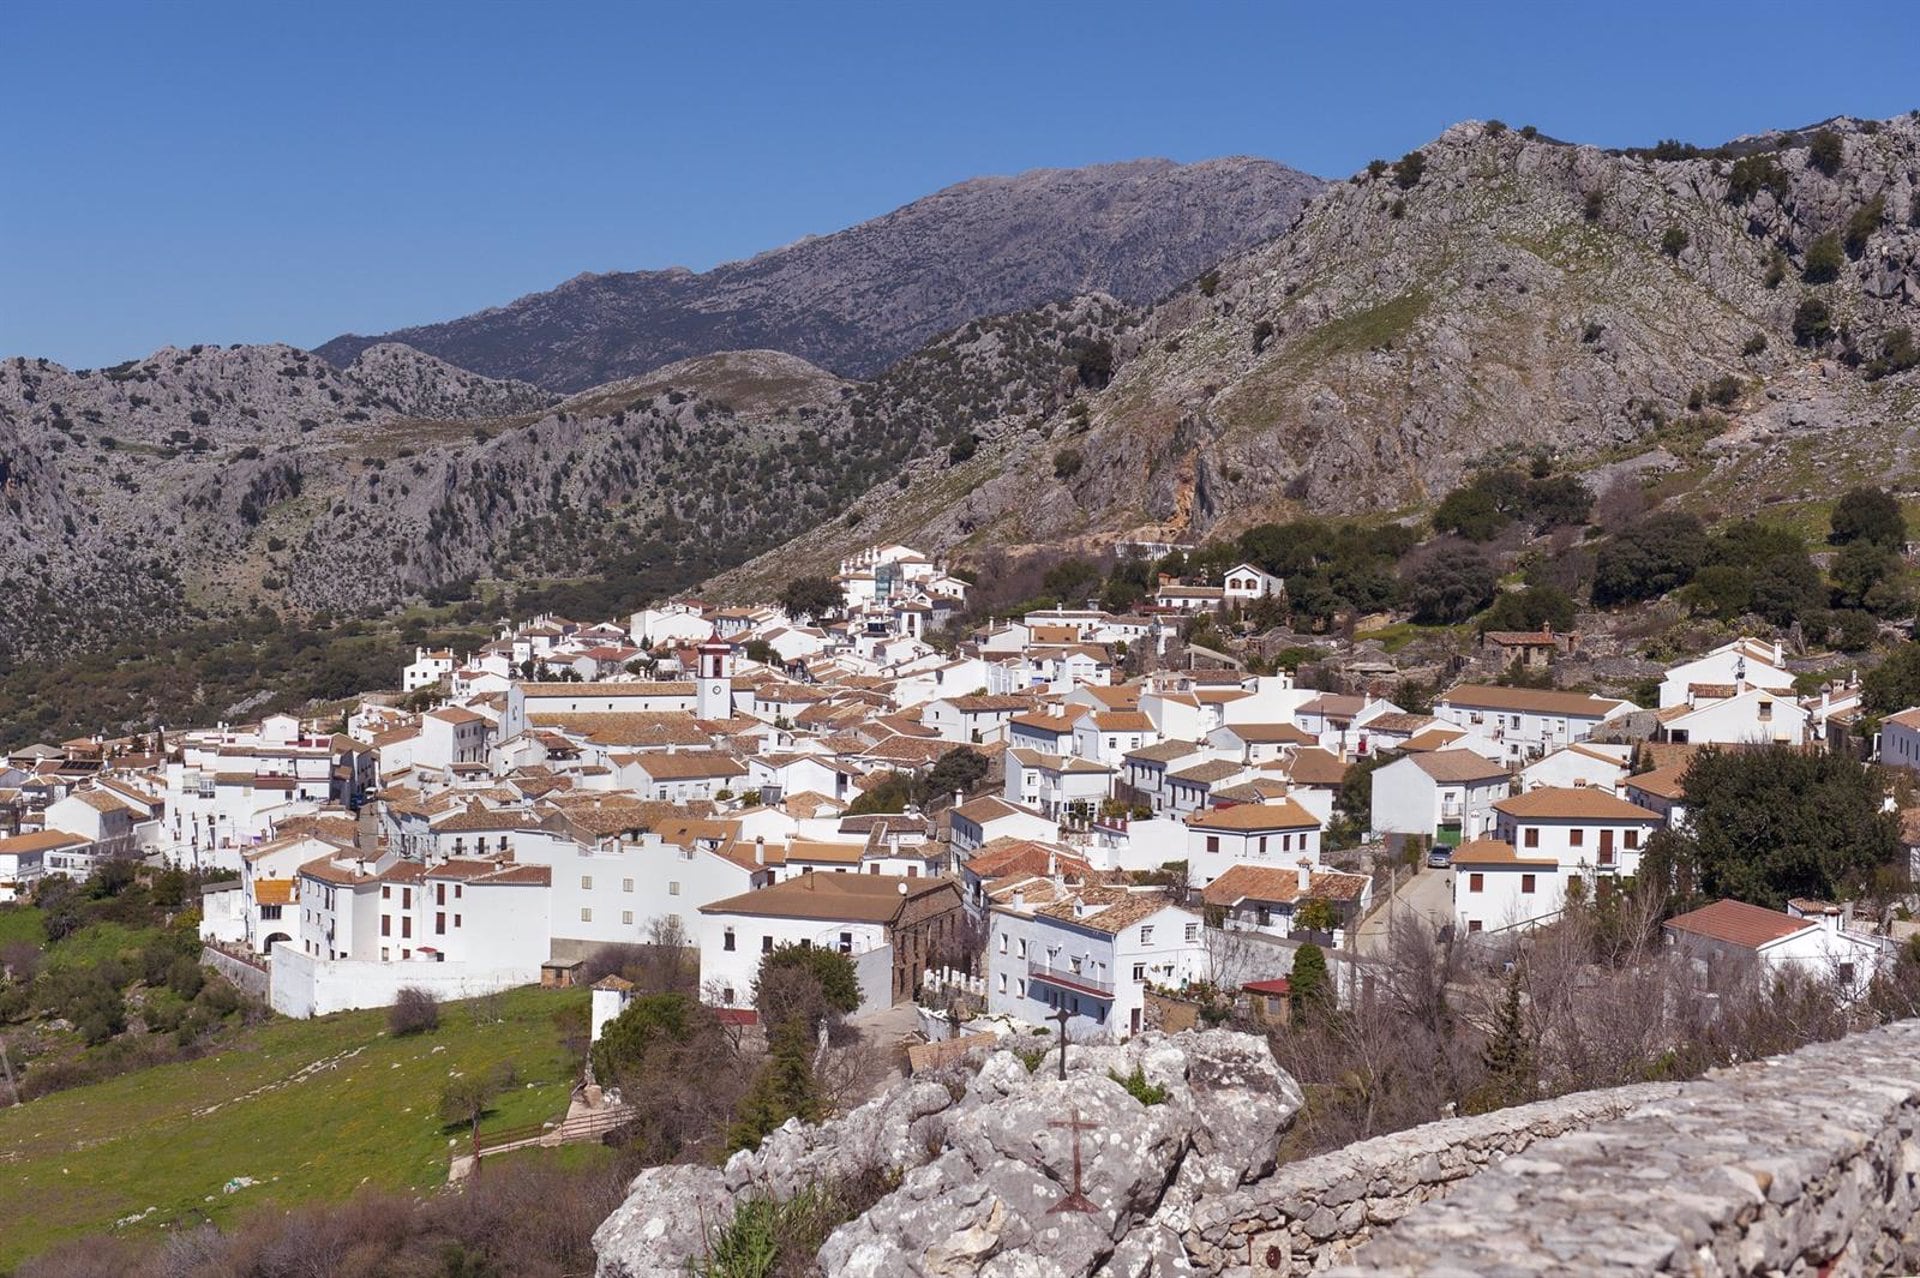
303 985
875 970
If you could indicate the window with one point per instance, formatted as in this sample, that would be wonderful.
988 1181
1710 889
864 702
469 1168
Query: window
1633 838
1476 882
626 885
766 945
269 911
406 898
1530 837
846 942
440 923
1213 843
586 883
406 925
1023 947
586 914
1146 934
1021 984
1526 884
386 892
726 941
456 887
1139 972
1003 982
386 925
1003 942
439 894
1845 972
1473 925
673 889
456 920
1193 933
1576 838
1263 845
385 954
626 917
1766 711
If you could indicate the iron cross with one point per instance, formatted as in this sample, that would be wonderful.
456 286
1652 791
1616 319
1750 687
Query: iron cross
1075 1200
1061 1016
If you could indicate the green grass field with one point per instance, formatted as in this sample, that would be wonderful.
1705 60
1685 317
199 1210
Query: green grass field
307 1109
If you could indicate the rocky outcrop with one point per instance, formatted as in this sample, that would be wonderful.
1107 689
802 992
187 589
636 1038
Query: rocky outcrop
859 299
988 1166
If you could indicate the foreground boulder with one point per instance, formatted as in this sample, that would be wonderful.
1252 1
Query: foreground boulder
1007 1171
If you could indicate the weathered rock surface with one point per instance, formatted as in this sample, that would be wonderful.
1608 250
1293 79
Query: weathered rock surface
987 1161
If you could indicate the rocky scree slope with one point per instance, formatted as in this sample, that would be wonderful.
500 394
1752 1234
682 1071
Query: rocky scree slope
200 483
857 300
1511 294
981 1160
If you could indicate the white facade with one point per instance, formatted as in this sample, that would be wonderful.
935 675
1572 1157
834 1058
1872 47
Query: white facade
1039 965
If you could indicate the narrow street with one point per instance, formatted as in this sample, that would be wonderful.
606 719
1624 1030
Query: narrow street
1427 894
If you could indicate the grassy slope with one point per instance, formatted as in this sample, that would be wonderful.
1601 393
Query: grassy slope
310 1109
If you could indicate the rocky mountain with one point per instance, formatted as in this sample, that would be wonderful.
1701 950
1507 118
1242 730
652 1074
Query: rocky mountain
202 484
860 299
1744 316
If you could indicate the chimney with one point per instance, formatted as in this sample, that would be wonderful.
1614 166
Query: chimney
1779 653
1306 874
1019 898
760 849
1830 918
806 878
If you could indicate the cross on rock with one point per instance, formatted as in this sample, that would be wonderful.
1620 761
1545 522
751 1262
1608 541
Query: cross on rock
1074 1200
1061 1016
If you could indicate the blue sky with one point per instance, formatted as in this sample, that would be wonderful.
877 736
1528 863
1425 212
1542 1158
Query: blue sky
219 172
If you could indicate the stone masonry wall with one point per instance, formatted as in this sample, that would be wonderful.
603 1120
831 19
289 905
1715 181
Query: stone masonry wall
243 974
1312 1213
1800 1164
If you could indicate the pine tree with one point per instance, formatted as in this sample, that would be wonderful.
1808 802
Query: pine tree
1310 986
1508 1055
784 1088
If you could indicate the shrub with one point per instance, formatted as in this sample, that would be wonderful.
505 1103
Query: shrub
963 447
1826 152
1825 257
1863 223
1376 167
1209 283
1645 560
1262 334
414 1011
1409 168
1139 1088
1725 391
1898 353
1675 241
1754 173
1812 322
1450 584
1067 463
1776 270
1754 345
1594 205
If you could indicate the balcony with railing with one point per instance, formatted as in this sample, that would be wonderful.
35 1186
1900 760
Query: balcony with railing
1068 979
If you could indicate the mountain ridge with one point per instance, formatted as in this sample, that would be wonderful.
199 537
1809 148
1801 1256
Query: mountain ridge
854 301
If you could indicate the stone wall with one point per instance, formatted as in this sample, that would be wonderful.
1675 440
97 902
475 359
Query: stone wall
246 975
1805 1163
1313 1212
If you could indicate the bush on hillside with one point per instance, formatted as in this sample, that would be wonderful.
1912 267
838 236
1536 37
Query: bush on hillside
1649 558
414 1011
1825 257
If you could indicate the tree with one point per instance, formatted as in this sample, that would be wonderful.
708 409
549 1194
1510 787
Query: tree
1825 257
1766 825
645 1022
1530 608
1894 684
813 596
892 793
1450 584
1316 914
1470 512
1067 463
1508 1056
1674 242
1353 802
1868 514
1863 223
807 983
955 772
1858 572
1409 168
1649 558
1310 987
785 1088
465 1099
